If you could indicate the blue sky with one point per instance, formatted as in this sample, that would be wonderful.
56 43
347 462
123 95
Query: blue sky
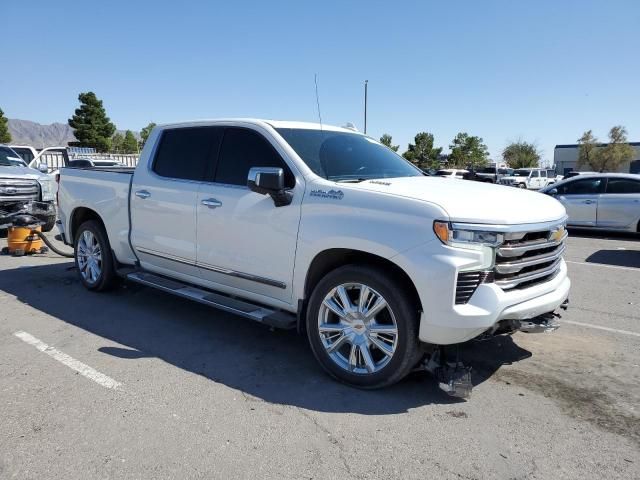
543 71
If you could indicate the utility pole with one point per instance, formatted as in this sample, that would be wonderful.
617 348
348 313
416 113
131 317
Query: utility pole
366 83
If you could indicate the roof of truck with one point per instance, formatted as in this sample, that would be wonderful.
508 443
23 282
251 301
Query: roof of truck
259 121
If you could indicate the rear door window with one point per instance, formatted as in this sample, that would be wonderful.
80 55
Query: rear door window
243 149
623 185
185 153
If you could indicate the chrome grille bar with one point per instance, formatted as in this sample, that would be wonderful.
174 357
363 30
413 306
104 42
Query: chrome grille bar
517 265
512 282
515 250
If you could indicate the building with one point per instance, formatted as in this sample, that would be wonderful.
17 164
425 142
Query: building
565 158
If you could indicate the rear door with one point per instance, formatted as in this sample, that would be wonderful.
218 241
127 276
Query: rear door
164 196
580 198
245 242
619 206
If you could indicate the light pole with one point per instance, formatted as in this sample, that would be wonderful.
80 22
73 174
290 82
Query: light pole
366 83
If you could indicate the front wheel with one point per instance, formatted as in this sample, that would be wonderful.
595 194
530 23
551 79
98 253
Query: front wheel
363 327
522 185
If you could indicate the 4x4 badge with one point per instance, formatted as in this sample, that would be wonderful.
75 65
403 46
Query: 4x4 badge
334 194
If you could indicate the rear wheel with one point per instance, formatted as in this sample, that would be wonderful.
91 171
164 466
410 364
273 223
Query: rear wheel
522 185
93 257
362 327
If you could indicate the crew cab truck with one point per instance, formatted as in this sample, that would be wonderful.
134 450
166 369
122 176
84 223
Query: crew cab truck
324 229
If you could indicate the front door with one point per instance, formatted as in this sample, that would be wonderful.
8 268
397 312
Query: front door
245 242
580 198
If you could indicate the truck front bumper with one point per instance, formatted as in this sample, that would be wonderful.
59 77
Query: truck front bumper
434 268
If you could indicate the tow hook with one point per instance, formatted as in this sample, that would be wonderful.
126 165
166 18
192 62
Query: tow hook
454 378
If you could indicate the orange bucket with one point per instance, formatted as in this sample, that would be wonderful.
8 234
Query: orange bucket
22 240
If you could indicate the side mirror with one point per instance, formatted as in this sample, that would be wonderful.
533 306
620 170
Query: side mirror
553 192
43 167
269 181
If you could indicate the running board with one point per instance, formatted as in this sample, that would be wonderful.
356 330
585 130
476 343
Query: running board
273 318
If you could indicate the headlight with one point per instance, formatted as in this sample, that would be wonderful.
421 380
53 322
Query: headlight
46 186
466 237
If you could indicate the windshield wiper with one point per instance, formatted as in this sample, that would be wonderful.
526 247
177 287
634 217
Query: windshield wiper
352 180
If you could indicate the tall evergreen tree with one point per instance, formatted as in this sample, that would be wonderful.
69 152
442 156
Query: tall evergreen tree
422 153
145 132
91 126
5 136
116 142
130 144
387 141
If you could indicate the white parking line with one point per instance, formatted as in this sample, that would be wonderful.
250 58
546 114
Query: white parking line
606 329
631 269
72 363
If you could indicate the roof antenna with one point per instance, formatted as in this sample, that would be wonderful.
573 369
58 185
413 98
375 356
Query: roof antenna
315 78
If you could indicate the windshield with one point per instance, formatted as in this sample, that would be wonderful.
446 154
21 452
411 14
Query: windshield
342 156
9 158
521 173
487 170
505 171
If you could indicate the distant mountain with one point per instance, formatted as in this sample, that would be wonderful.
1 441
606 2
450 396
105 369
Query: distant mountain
26 132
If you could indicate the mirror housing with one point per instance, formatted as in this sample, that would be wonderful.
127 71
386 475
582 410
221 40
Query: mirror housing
553 192
43 167
269 181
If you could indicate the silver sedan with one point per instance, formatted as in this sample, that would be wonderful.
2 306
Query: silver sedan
603 201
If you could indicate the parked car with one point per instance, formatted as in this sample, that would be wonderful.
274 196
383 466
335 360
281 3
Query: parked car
323 229
529 178
93 163
488 174
20 185
603 201
451 173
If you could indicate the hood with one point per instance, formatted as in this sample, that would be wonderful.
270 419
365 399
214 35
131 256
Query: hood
21 172
474 202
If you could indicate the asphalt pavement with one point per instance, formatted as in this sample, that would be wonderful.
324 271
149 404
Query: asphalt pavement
138 384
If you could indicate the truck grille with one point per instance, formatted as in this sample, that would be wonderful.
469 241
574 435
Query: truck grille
529 258
19 190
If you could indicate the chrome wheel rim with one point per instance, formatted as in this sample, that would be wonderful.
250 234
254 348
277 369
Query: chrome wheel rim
357 328
89 257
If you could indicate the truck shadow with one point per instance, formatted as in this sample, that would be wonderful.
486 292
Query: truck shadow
273 366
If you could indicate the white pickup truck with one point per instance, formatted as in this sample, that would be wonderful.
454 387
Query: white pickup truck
324 229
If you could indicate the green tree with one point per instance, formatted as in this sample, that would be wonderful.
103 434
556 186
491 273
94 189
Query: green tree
116 142
130 144
468 151
91 126
616 153
5 136
145 132
521 154
422 153
588 153
386 140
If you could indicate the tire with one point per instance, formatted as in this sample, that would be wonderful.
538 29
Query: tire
50 223
522 185
366 353
96 267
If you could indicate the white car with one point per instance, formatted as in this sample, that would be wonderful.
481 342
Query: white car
451 173
529 178
322 229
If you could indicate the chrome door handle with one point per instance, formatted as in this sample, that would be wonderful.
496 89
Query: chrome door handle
142 194
211 203
589 202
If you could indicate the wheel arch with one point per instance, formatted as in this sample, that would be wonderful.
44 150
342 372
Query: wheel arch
330 259
78 217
